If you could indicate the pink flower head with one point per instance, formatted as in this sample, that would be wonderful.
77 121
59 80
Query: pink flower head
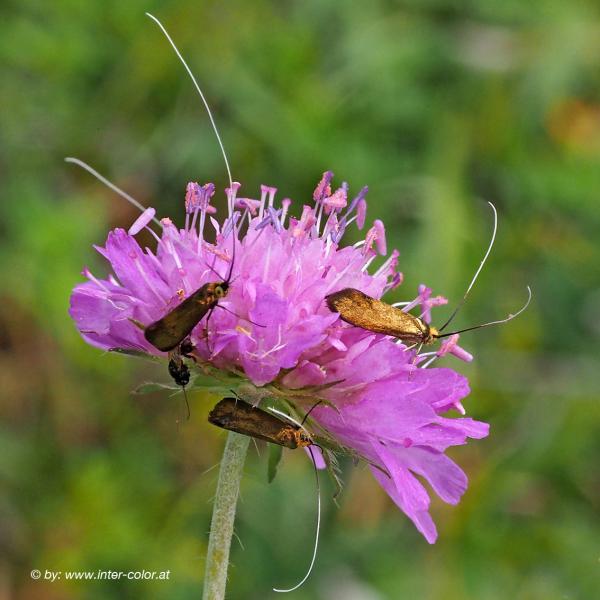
273 330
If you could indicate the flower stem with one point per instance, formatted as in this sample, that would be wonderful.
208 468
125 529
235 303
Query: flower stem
221 528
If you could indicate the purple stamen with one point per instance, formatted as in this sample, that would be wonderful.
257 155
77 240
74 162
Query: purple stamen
427 302
338 235
361 213
266 221
249 204
323 189
231 194
389 265
450 346
380 237
331 226
360 196
334 229
142 221
197 197
369 240
193 191
337 200
271 191
307 220
208 191
264 190
274 214
285 205
397 280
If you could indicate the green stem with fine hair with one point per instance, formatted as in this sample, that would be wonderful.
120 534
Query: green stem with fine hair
221 528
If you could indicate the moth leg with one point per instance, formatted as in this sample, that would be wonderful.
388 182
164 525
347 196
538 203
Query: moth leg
208 348
413 362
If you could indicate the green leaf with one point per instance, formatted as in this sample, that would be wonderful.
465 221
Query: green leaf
208 382
275 454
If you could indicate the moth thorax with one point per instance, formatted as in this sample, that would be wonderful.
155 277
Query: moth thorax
431 334
287 437
302 438
186 347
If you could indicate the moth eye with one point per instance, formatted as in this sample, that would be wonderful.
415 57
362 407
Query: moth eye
219 293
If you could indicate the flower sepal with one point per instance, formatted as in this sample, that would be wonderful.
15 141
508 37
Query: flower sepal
135 353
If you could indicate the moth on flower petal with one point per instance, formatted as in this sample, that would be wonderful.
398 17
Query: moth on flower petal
374 315
239 416
169 331
361 310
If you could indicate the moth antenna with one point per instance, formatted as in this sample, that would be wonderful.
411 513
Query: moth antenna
309 411
234 236
491 244
509 318
314 556
214 126
109 184
287 417
208 316
189 72
214 271
239 316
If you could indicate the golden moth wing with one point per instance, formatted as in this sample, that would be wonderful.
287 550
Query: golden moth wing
361 310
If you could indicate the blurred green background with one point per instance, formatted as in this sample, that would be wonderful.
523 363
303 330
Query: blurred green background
438 106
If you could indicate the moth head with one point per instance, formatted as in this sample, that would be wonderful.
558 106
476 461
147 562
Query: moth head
303 439
432 335
221 289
